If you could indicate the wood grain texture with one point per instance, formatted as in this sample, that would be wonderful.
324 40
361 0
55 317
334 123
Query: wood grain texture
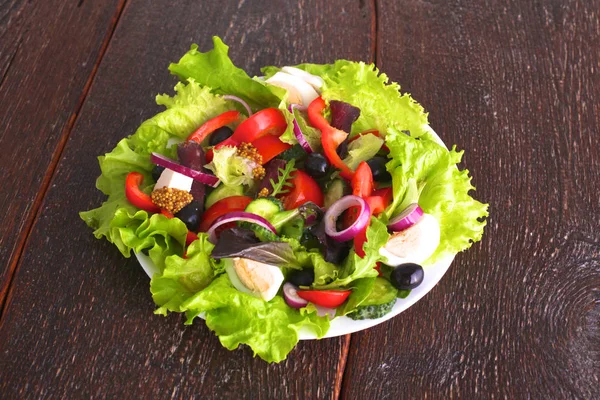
516 85
48 51
79 320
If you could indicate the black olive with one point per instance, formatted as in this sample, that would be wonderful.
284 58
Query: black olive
316 165
342 149
407 276
380 173
190 215
219 135
156 171
302 277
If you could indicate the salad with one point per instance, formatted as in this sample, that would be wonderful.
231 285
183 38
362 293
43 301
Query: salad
277 203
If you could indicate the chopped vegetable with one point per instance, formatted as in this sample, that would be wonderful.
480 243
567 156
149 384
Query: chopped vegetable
222 207
407 218
361 222
331 138
372 312
269 147
236 216
269 121
213 124
290 294
135 196
304 189
166 162
284 175
325 298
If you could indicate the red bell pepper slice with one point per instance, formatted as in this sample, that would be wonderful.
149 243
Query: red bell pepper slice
331 138
269 121
191 236
167 214
213 124
222 207
362 186
386 193
325 298
362 181
135 196
270 147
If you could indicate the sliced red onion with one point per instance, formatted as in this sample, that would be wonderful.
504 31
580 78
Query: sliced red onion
239 100
166 162
323 311
297 131
337 208
235 216
291 297
407 218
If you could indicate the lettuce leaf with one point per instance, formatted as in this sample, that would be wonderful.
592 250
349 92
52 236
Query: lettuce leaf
312 135
215 70
116 219
444 189
324 271
381 104
184 277
231 169
269 328
362 149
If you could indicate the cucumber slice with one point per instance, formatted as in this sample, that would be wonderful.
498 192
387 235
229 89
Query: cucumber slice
266 207
335 191
222 191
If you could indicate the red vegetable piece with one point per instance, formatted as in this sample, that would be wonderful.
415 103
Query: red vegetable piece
269 121
362 186
325 298
331 138
191 236
213 124
304 189
270 147
222 207
135 196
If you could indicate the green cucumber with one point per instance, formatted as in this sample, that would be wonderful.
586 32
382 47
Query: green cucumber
266 207
222 191
335 191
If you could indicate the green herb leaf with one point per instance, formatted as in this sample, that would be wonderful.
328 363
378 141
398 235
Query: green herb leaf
282 185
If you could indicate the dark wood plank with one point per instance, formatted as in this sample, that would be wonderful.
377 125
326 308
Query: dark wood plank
79 319
515 84
48 51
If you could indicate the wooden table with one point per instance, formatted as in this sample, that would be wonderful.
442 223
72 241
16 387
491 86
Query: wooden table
514 83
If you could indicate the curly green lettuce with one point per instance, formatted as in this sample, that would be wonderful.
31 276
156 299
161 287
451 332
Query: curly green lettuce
129 228
443 189
270 328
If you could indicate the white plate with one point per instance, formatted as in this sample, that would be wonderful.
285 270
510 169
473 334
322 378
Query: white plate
344 325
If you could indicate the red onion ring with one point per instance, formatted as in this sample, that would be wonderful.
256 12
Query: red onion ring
297 131
238 216
337 208
407 218
291 297
166 162
239 100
